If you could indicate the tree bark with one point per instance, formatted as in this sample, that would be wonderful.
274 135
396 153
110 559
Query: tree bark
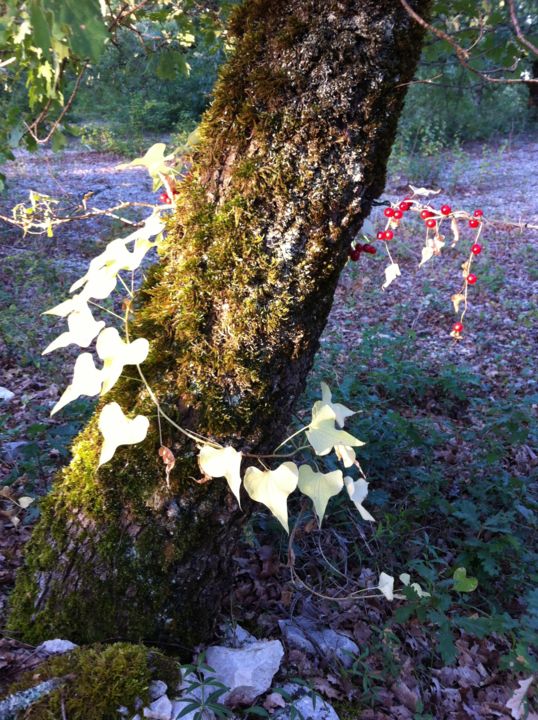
294 150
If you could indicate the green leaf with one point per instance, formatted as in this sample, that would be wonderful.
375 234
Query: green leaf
447 647
320 487
462 583
272 487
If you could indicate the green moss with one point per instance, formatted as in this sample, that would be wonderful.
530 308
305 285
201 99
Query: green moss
102 678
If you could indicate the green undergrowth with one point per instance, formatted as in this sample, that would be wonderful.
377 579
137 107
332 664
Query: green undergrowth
452 484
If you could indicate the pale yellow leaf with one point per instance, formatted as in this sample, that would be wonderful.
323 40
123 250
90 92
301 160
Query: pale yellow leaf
116 354
320 487
83 328
392 271
341 412
272 487
346 455
87 381
117 429
358 491
386 585
222 462
323 435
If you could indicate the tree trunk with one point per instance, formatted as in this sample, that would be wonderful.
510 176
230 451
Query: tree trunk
293 152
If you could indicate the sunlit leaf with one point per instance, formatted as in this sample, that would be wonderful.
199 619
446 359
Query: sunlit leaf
516 703
392 271
427 253
386 585
25 501
222 462
154 160
320 487
457 299
83 328
358 491
117 429
272 487
116 354
322 433
346 455
341 412
87 380
455 230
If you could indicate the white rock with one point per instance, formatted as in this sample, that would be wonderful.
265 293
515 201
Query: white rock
157 688
236 636
160 709
304 635
56 647
6 395
305 705
248 671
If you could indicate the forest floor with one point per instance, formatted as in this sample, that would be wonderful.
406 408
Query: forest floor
451 430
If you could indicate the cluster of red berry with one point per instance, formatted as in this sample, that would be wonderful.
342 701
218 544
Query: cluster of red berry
432 219
170 191
355 251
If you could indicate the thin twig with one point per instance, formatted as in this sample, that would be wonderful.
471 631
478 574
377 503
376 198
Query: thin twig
461 53
519 34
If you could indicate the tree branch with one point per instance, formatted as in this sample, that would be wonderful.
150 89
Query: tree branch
461 53
519 34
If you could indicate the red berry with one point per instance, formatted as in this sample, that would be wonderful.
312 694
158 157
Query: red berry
388 212
163 197
457 327
446 209
471 279
381 235
478 213
398 215
431 223
405 206
388 234
354 253
474 223
476 249
370 249
425 214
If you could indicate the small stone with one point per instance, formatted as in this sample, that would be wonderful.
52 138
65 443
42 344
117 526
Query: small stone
248 671
6 395
12 450
160 709
157 688
235 636
306 636
56 647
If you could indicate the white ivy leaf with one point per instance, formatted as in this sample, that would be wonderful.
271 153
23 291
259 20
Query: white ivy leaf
320 487
392 271
346 455
87 380
83 328
358 491
116 353
323 435
272 487
25 501
117 429
78 302
101 283
424 192
222 462
386 585
154 160
406 580
455 230
341 412
427 253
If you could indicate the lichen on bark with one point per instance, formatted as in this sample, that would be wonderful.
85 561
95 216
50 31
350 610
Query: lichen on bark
293 152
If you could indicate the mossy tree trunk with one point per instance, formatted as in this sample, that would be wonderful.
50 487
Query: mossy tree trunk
293 153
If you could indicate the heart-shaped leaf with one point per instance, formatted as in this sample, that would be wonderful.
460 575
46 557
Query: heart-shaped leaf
87 380
272 487
320 487
222 462
462 583
116 354
323 435
358 491
117 429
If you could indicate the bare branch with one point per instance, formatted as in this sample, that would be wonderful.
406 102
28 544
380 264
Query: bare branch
461 53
